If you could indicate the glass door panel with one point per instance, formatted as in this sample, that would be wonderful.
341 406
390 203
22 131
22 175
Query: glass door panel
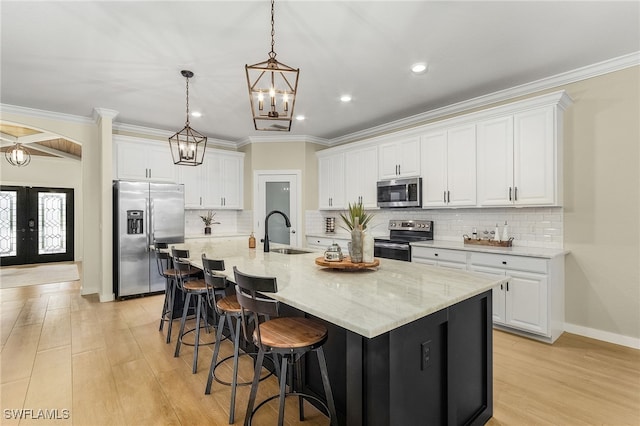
278 198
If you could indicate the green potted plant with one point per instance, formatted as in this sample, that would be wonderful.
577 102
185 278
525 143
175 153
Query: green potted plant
354 211
208 221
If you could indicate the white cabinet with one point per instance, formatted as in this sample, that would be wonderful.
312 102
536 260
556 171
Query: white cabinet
216 184
361 175
141 159
532 300
518 159
225 180
531 303
454 259
331 182
322 243
399 159
449 167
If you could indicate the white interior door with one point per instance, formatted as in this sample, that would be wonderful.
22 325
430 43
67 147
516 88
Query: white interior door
278 190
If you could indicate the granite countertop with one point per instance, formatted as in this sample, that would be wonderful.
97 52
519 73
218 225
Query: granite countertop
515 251
367 302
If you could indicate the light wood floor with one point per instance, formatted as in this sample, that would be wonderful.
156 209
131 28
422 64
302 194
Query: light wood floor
108 365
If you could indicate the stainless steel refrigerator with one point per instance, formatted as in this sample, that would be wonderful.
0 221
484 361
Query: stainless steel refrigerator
143 212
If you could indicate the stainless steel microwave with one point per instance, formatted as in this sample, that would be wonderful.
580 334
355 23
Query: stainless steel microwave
400 192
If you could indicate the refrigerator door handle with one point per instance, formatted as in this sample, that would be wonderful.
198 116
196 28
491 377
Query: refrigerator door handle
150 236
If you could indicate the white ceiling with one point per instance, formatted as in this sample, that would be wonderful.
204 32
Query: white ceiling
71 57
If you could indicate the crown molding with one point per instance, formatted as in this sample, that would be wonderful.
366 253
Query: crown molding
579 74
165 134
283 138
50 115
99 113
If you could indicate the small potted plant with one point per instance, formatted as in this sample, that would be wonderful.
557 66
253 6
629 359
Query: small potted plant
208 221
355 210
356 221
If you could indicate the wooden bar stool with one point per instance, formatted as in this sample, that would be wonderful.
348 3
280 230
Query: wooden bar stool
191 286
228 310
289 337
164 264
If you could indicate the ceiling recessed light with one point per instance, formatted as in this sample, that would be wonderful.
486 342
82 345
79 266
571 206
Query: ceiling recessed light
299 117
196 114
345 98
419 68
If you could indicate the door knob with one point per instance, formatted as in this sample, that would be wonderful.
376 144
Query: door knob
293 231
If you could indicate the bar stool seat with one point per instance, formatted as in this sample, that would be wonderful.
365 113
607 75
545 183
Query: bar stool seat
288 337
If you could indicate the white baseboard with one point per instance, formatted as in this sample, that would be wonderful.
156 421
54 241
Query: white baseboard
606 336
109 297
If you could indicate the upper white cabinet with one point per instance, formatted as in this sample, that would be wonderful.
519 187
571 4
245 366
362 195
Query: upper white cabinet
448 163
361 175
216 184
225 178
139 159
331 181
400 158
518 159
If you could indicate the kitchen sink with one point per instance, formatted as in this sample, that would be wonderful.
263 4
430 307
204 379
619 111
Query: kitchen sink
289 250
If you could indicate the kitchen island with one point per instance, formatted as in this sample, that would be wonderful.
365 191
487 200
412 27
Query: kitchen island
409 344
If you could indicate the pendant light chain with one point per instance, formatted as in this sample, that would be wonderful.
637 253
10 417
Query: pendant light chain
187 101
272 54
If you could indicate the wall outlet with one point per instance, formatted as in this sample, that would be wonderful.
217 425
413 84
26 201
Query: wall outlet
425 355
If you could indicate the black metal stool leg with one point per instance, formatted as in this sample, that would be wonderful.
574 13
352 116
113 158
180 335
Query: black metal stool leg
254 388
283 384
187 300
298 388
197 341
234 379
216 352
327 386
172 298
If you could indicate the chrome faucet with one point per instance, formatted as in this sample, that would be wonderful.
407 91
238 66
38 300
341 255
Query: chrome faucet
287 222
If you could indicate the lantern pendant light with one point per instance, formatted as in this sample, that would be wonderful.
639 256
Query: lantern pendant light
18 155
187 146
278 82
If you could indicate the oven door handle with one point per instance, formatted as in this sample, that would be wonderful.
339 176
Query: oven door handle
394 246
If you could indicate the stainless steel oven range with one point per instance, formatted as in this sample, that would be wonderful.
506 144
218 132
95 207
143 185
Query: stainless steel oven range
401 233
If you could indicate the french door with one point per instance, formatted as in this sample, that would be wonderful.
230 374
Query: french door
36 225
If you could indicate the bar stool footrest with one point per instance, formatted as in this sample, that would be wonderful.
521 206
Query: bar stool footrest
296 394
193 344
222 382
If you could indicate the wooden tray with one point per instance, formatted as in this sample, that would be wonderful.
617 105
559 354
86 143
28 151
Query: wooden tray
491 243
346 264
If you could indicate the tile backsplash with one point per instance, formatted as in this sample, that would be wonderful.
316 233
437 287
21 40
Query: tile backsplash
530 227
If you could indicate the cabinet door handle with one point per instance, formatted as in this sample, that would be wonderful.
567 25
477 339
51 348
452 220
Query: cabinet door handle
149 173
399 169
504 262
509 193
501 286
444 197
507 285
200 200
515 194
435 254
448 197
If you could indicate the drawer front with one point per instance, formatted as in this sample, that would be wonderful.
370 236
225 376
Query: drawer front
520 263
439 254
324 243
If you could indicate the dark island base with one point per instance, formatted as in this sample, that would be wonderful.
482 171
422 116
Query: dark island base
434 371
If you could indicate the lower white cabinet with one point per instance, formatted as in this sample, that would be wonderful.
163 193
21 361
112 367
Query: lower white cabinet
454 259
532 300
322 243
